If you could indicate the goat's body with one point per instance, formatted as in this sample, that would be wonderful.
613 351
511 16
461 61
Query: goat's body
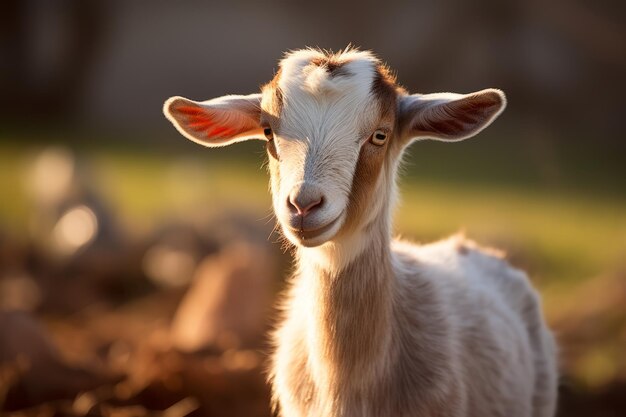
374 328
447 330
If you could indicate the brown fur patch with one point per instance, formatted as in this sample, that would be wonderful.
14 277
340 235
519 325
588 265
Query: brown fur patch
368 167
372 157
385 90
272 103
333 64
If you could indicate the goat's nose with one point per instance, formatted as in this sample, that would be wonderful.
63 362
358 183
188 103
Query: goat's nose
305 199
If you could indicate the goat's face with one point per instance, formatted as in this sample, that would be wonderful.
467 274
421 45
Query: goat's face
325 119
333 124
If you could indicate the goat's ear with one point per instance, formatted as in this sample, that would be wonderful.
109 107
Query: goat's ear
217 122
448 116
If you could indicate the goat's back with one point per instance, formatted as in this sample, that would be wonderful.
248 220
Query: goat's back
497 334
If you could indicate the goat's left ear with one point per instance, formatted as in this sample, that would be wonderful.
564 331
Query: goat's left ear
448 116
217 122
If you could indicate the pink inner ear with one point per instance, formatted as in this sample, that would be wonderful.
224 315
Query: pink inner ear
191 110
199 120
220 131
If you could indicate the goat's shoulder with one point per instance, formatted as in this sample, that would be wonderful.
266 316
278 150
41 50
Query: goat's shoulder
470 280
490 309
462 262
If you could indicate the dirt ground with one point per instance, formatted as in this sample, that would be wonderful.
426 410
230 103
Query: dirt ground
97 335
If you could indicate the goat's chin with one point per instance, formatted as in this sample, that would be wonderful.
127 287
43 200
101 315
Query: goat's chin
312 242
311 239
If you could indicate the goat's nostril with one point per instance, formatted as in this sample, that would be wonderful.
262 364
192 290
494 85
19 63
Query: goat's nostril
293 206
312 206
303 206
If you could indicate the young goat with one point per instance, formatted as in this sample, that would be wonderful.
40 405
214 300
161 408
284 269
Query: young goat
374 326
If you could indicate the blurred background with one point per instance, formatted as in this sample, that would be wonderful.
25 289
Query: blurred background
138 270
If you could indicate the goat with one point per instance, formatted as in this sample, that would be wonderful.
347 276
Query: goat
373 326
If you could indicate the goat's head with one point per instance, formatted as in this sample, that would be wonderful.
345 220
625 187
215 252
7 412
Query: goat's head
335 127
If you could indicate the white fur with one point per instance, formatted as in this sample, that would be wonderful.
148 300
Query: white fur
323 122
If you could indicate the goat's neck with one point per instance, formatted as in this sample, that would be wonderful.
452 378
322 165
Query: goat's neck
350 308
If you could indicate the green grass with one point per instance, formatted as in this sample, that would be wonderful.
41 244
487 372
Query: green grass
562 235
570 238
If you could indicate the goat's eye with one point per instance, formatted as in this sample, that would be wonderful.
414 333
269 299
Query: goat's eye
379 138
270 145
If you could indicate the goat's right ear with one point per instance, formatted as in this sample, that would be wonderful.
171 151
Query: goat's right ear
217 122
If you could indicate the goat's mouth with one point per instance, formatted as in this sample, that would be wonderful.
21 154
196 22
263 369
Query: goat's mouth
309 237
